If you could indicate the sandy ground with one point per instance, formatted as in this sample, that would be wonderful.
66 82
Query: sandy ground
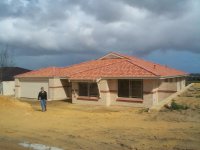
74 127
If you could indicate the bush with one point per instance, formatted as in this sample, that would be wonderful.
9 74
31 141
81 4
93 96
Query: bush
198 96
175 106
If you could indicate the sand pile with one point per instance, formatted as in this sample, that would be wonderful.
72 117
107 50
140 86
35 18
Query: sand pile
12 103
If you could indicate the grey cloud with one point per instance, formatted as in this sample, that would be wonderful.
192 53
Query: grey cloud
49 27
172 8
106 11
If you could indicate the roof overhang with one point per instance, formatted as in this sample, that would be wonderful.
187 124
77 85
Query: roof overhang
41 77
107 78
166 77
130 78
83 80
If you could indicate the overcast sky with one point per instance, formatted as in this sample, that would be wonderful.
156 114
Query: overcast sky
42 33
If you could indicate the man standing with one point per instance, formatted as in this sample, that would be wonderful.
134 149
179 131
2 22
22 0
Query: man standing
42 97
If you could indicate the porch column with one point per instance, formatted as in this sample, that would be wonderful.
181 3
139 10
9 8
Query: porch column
17 88
51 89
104 92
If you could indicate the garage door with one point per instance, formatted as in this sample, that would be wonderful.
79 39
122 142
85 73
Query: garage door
30 89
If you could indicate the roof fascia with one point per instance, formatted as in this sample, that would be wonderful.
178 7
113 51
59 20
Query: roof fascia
167 77
82 80
42 77
130 78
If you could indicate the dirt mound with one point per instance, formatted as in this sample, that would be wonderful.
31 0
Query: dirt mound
10 102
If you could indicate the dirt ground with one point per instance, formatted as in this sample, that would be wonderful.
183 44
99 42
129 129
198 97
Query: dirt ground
73 127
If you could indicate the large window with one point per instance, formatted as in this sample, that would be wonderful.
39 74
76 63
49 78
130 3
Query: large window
130 88
88 89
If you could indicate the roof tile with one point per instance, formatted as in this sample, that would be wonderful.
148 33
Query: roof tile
111 65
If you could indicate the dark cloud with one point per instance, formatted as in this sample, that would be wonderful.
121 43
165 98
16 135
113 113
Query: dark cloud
49 27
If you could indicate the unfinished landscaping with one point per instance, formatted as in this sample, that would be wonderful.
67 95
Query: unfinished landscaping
72 126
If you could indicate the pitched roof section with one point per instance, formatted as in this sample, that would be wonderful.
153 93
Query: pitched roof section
157 69
122 69
108 66
43 72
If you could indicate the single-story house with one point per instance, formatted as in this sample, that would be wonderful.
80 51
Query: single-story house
7 83
113 79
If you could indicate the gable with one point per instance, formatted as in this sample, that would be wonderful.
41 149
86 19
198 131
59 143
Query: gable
111 56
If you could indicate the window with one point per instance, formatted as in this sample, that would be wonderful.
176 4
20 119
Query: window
88 89
166 80
130 88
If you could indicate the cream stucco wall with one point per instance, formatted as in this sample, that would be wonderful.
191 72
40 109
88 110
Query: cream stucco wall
29 87
101 100
8 87
170 86
56 88
109 93
17 88
154 90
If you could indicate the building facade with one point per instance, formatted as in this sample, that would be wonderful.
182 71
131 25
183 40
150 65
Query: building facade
113 79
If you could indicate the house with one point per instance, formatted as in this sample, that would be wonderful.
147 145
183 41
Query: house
113 79
7 84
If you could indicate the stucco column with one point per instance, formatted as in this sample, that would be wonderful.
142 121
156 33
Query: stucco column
74 91
51 89
104 92
17 88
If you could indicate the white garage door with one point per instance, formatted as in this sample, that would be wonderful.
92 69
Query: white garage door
30 89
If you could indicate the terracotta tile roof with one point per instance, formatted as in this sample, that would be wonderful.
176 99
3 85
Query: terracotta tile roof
122 68
157 69
109 66
43 72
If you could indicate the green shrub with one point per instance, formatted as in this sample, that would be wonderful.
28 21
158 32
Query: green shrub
198 96
144 110
175 106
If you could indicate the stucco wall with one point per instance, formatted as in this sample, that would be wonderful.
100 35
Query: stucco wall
58 89
29 87
153 91
149 87
8 87
109 93
169 86
17 88
101 100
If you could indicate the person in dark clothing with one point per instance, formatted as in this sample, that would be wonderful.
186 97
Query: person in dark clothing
42 97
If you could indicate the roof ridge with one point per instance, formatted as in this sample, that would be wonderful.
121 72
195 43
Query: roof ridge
97 67
111 53
153 63
78 64
121 55
142 67
129 58
135 57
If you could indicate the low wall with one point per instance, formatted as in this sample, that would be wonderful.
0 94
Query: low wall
8 87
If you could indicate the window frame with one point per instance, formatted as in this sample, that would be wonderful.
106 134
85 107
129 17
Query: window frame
88 84
130 89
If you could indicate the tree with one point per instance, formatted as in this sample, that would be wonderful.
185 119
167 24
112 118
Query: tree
6 60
